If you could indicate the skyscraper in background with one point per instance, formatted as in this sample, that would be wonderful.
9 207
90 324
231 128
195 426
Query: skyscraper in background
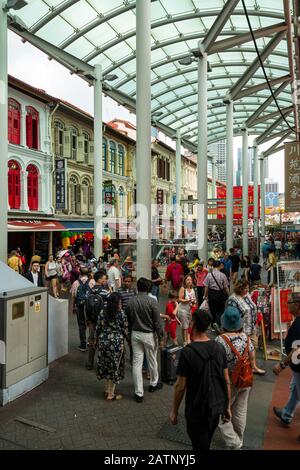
218 149
239 177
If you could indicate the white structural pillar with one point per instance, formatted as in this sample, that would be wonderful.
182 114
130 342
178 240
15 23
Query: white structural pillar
143 137
98 229
245 172
262 200
255 189
178 186
229 175
3 134
214 177
202 159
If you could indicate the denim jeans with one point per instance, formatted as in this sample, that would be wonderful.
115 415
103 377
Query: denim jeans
155 291
289 410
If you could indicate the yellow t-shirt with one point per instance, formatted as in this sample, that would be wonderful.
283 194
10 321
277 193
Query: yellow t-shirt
14 263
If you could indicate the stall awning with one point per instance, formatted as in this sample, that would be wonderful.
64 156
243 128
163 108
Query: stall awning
78 225
34 226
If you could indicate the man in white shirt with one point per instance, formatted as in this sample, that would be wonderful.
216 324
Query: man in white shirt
114 275
35 275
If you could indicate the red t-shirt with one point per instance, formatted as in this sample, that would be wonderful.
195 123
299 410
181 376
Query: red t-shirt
170 307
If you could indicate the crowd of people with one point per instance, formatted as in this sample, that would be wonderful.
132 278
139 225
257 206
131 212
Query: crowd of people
209 303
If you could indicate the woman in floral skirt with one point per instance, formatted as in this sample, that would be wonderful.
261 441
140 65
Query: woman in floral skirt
112 331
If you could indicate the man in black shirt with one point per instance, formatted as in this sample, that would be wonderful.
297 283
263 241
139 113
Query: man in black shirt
203 374
235 264
292 347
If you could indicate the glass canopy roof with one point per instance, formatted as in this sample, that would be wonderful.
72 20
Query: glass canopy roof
103 31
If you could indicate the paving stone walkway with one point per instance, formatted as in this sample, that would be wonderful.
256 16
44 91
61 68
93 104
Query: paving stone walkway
72 402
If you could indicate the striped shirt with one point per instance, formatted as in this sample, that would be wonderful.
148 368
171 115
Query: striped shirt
210 282
126 295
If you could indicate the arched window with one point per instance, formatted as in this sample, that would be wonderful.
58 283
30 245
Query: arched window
14 119
33 187
121 155
85 196
104 154
75 195
14 184
32 128
74 142
112 149
121 202
86 139
59 138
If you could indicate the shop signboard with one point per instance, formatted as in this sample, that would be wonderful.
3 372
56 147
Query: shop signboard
60 184
237 203
160 199
292 176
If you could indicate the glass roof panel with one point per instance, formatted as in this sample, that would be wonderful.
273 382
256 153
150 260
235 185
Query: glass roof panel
56 31
78 16
179 30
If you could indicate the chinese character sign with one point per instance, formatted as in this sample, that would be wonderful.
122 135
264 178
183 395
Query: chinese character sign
237 204
292 176
60 184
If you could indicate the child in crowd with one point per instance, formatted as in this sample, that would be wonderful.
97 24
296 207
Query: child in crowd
171 318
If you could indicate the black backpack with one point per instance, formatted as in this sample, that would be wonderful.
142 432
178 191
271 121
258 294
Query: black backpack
94 304
211 399
82 291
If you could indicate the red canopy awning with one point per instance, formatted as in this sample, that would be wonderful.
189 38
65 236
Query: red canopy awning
34 226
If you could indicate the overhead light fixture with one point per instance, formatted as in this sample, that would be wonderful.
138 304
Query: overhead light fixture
186 60
190 59
157 114
110 77
14 5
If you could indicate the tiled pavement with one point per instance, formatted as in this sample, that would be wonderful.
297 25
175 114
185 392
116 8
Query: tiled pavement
72 403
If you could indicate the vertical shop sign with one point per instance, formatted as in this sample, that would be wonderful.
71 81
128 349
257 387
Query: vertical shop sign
292 176
60 184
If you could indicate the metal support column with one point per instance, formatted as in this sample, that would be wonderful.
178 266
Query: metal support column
262 200
255 189
178 186
3 134
143 136
214 177
98 183
245 172
201 229
229 175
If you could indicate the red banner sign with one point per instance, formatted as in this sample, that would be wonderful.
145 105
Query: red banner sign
237 205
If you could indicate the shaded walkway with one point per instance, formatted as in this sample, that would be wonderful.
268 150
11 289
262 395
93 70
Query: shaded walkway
277 437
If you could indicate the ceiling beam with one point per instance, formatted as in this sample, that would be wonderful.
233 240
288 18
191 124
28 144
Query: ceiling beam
228 43
272 115
239 85
218 25
274 146
261 139
257 113
53 13
252 90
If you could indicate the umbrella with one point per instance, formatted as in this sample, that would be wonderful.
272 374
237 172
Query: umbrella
63 253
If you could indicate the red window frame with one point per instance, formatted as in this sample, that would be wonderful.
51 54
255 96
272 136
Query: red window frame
32 128
14 121
33 187
14 184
